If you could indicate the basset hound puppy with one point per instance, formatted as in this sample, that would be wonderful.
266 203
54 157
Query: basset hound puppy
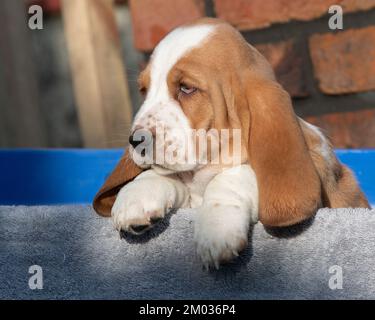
204 76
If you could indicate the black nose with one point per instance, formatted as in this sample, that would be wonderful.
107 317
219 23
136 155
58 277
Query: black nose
136 142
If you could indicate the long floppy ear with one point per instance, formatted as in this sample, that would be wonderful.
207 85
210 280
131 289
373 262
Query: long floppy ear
288 183
125 171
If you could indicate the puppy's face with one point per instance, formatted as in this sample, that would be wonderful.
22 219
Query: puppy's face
175 101
184 123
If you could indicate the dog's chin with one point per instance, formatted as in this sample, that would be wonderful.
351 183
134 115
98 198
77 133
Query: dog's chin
166 168
161 170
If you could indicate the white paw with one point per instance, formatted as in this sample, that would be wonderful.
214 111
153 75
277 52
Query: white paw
220 233
139 205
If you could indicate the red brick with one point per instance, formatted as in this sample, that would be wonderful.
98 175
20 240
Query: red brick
354 129
255 14
49 6
287 63
356 5
344 62
153 19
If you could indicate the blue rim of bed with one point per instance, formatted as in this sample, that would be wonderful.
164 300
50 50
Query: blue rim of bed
73 176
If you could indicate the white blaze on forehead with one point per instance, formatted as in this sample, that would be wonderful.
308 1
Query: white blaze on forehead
166 54
173 47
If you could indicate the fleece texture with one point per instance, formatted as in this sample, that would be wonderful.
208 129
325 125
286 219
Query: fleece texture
82 257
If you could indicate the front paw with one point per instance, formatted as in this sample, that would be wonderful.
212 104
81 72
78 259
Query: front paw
135 211
220 233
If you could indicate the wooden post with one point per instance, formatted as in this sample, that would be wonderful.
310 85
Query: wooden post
100 83
21 121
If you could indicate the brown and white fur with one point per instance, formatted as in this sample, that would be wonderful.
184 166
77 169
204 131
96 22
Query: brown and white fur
288 169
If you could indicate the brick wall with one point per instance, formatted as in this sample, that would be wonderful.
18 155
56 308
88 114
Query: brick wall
329 74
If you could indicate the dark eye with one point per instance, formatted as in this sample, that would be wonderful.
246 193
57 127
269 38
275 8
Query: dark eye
185 89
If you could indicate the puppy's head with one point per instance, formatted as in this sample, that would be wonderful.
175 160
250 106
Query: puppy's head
184 122
204 77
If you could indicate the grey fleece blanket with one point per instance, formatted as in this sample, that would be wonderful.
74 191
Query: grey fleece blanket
82 257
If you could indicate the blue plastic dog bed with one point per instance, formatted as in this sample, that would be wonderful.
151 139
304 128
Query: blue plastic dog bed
73 176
